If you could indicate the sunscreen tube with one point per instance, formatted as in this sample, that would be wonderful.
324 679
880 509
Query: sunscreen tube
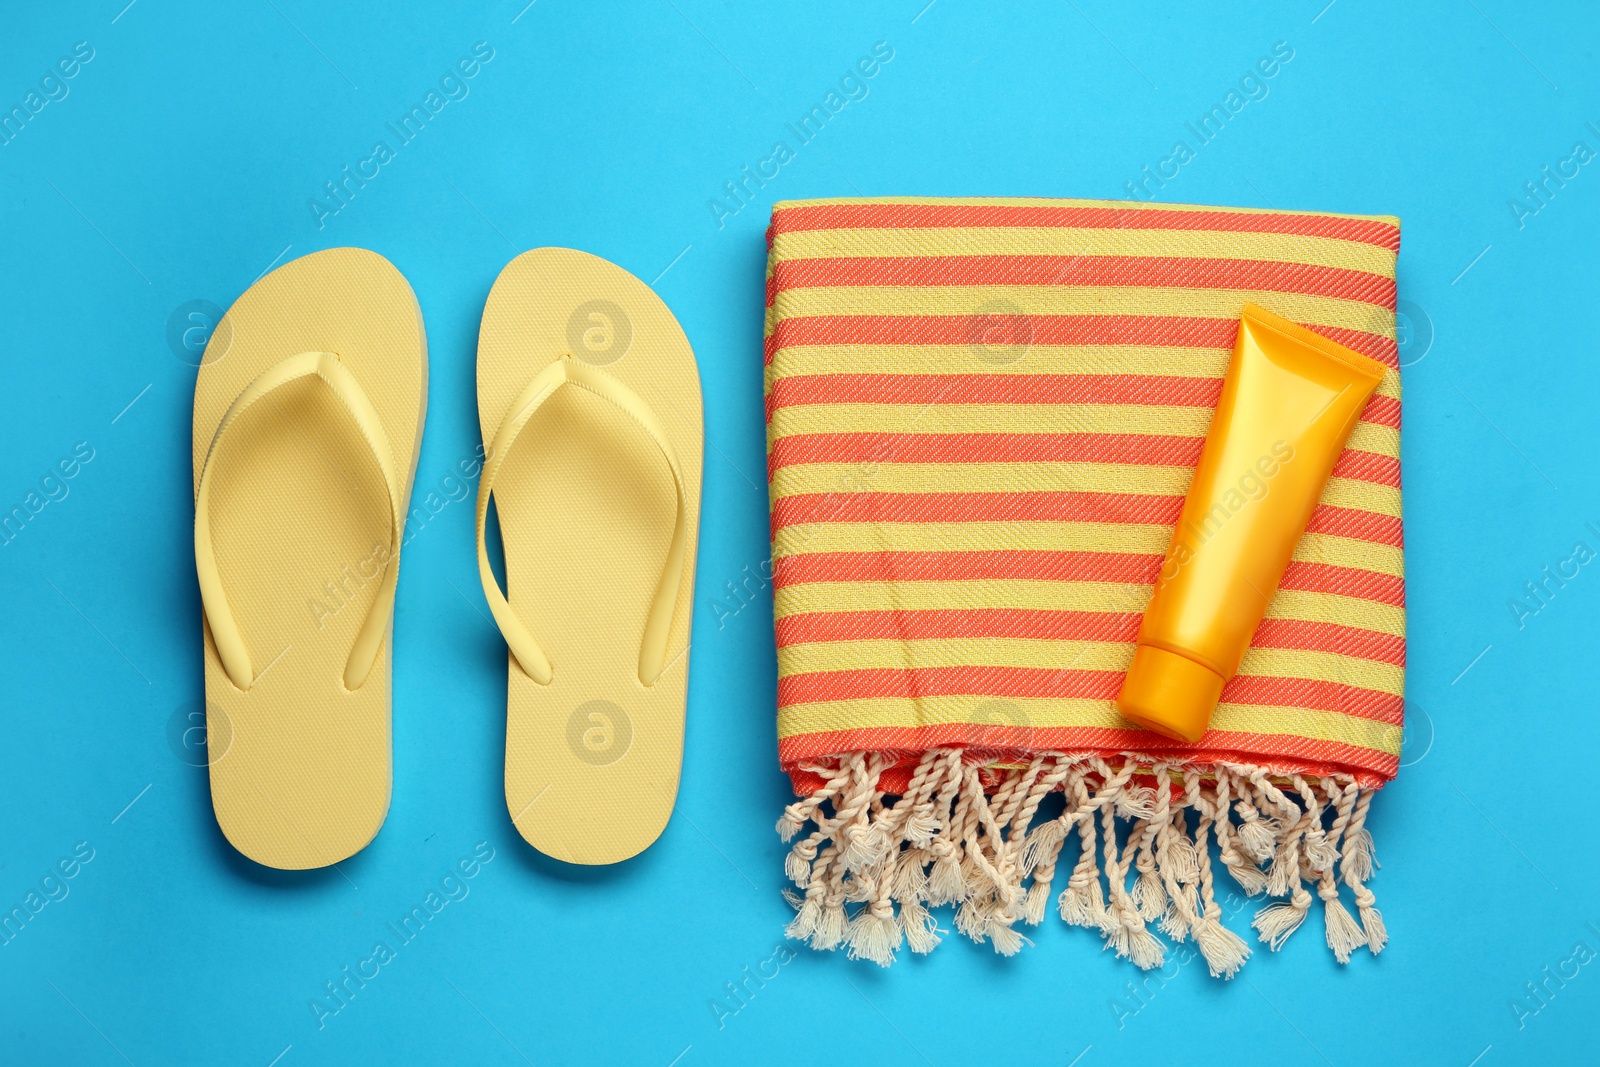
1290 400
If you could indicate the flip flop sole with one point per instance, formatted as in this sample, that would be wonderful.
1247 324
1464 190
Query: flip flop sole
586 508
301 528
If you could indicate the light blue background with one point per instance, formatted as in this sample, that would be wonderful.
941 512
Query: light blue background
179 167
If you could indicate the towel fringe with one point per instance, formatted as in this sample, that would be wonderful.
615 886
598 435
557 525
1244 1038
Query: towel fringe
964 834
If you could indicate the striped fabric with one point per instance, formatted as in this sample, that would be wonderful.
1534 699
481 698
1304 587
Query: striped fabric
982 418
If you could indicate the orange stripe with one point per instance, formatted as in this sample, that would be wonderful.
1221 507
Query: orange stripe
1116 627
820 627
1056 566
1376 346
1353 700
913 682
976 507
1039 566
926 216
1180 272
1356 525
800 390
1179 331
1151 510
1312 577
1383 410
1161 450
1309 756
922 389
1368 467
1330 637
1169 330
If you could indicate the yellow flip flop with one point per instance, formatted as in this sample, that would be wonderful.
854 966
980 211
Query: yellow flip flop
589 400
308 415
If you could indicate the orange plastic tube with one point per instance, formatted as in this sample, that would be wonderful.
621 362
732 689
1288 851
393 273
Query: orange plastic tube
1289 402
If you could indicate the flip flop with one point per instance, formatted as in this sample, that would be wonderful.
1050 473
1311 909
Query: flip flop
589 400
308 415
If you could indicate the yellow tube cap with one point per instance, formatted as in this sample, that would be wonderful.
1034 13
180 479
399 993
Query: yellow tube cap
1168 693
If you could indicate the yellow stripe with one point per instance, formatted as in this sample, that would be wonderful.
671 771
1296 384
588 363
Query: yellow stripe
1305 606
1373 437
1165 360
984 478
971 537
956 652
1045 713
1309 722
883 712
1026 419
1362 496
1066 656
1063 241
1128 538
990 418
1139 479
931 596
1324 667
1145 360
1327 311
818 597
1348 552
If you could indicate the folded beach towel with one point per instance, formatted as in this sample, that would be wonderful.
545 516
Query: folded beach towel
982 418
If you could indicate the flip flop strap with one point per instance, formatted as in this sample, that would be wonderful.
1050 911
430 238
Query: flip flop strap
327 367
658 625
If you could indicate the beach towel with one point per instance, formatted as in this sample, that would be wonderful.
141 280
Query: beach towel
982 418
